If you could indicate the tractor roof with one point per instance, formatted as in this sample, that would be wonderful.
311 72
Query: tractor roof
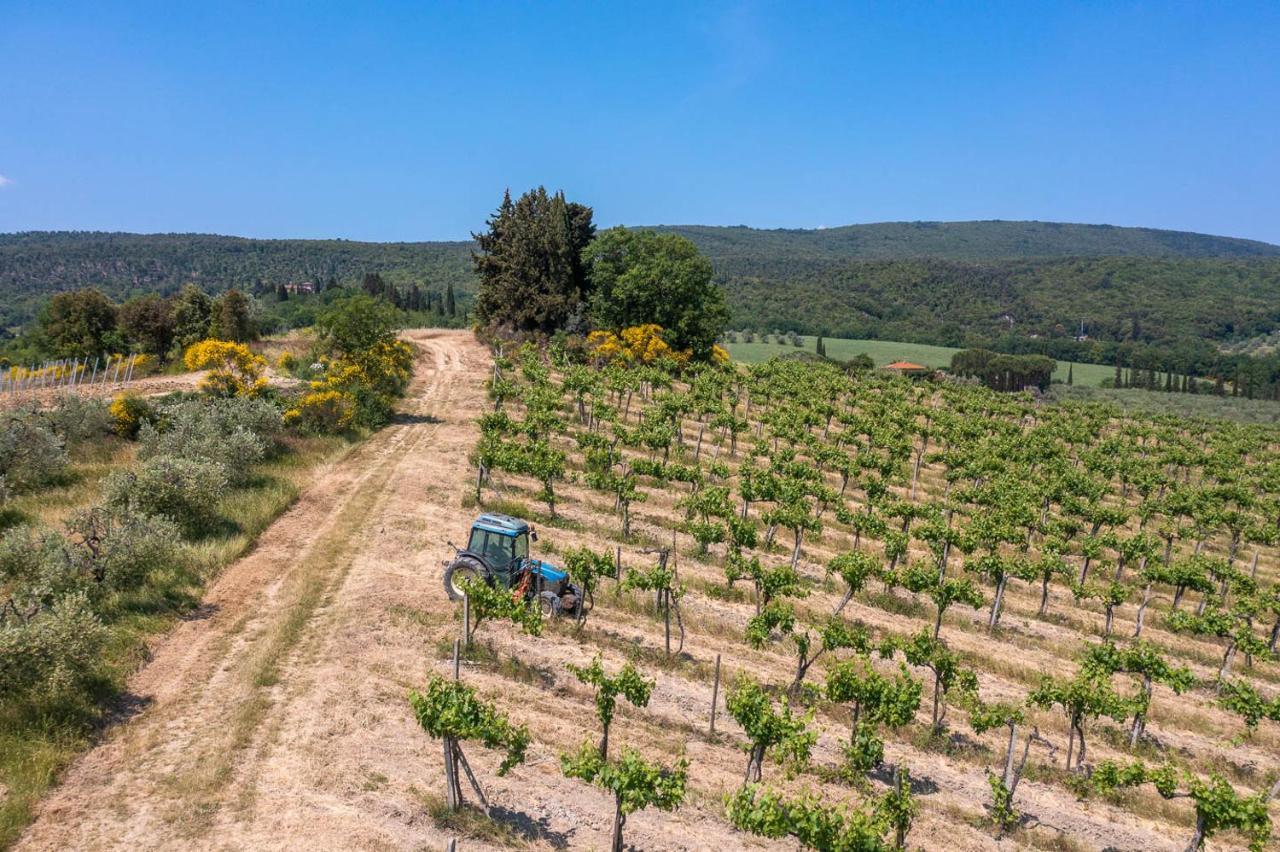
505 524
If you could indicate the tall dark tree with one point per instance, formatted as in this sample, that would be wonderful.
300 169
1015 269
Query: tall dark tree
450 307
148 322
373 284
192 315
644 277
79 322
530 263
282 293
232 318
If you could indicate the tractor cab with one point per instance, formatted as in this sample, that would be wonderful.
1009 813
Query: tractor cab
502 542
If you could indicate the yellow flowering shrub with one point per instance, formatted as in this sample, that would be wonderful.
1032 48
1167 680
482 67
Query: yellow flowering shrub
642 344
356 390
128 412
322 411
286 362
719 355
233 369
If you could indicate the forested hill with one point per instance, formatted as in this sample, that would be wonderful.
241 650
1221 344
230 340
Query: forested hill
38 263
989 240
956 283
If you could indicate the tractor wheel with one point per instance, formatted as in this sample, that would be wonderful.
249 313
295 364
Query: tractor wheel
462 570
549 603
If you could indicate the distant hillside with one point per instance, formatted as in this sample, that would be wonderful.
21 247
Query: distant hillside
954 284
963 241
36 264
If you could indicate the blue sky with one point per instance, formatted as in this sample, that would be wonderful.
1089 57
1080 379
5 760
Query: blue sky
405 121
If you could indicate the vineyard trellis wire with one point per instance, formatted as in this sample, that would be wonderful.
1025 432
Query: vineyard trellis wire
70 374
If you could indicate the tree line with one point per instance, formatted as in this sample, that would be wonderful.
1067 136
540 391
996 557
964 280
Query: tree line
87 322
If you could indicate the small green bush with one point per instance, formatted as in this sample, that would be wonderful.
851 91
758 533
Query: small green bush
185 490
31 453
50 653
79 420
35 570
117 550
232 433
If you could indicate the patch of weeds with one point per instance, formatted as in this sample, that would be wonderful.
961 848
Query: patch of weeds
468 821
950 743
484 656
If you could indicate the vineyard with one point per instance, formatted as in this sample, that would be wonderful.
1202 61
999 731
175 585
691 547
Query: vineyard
829 610
881 612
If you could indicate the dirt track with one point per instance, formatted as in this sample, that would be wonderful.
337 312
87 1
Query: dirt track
276 718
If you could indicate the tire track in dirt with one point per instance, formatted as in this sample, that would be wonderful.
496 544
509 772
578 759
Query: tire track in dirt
216 691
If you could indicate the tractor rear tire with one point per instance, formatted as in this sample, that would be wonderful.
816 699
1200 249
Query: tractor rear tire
549 603
462 569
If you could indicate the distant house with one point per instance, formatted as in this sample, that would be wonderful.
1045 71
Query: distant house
298 289
907 368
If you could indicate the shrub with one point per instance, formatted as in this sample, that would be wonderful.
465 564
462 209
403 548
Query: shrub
287 362
184 490
371 379
78 420
233 369
129 412
322 412
36 571
232 433
117 550
31 454
53 652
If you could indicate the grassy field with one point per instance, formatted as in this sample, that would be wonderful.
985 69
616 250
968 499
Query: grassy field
1204 406
887 351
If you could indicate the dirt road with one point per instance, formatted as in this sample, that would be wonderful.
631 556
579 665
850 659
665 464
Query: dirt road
276 717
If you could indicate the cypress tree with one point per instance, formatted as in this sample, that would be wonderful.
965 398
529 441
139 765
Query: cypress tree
282 293
450 307
1071 374
530 262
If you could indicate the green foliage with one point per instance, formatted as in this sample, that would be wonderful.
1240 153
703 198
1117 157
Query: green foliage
490 603
232 318
79 323
1004 372
231 433
357 324
1242 698
448 708
830 828
184 490
771 727
642 277
636 783
49 654
1218 806
31 453
628 683
149 322
531 272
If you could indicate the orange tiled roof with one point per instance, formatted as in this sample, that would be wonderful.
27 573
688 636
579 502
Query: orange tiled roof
905 365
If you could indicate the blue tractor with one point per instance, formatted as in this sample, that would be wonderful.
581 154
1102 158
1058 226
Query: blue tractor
498 554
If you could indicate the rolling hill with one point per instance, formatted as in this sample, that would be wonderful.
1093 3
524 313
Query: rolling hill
986 240
949 283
